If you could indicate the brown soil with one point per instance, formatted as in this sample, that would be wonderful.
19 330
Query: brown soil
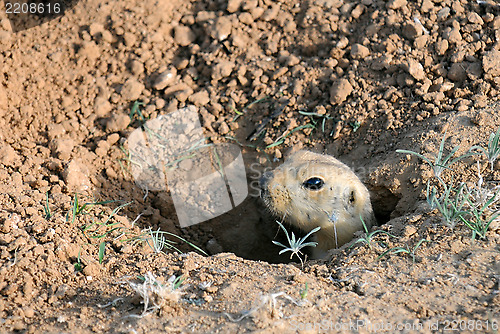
377 75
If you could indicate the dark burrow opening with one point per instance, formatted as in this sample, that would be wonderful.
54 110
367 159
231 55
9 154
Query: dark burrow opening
249 229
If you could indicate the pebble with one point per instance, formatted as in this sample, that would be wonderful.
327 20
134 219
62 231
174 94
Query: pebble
96 28
233 5
339 91
452 35
117 122
222 69
441 46
131 89
457 72
395 4
62 148
183 35
415 69
200 98
89 50
474 18
491 63
101 106
75 175
359 51
221 28
165 78
129 39
8 156
412 30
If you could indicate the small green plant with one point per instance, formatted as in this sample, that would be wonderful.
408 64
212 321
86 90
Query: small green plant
479 218
355 126
303 292
440 164
78 263
282 138
46 208
493 150
245 109
136 111
367 238
77 209
102 249
158 242
396 250
296 245
451 204
313 116
177 282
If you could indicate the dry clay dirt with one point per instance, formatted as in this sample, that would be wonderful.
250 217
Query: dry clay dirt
355 79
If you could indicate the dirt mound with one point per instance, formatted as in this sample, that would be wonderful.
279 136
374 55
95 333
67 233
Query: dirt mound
357 80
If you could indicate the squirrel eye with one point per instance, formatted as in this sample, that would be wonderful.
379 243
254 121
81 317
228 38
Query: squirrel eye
352 198
314 183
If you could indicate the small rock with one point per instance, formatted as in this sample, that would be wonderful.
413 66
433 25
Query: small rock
443 13
457 72
421 41
108 37
415 69
132 89
200 98
62 148
96 28
441 46
474 18
8 156
165 78
395 4
221 28
381 63
357 11
117 122
339 91
222 70
452 35
129 39
491 63
113 138
89 50
359 51
223 129
101 106
412 30
342 43
271 13
75 175
180 91
136 67
102 148
233 5
183 35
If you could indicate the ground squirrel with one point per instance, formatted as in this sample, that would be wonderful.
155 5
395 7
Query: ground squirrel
311 190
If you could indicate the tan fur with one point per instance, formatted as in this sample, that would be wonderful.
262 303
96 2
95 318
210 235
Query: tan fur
336 207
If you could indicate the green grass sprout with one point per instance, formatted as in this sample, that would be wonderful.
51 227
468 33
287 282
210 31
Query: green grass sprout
493 150
440 164
296 245
367 237
397 250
